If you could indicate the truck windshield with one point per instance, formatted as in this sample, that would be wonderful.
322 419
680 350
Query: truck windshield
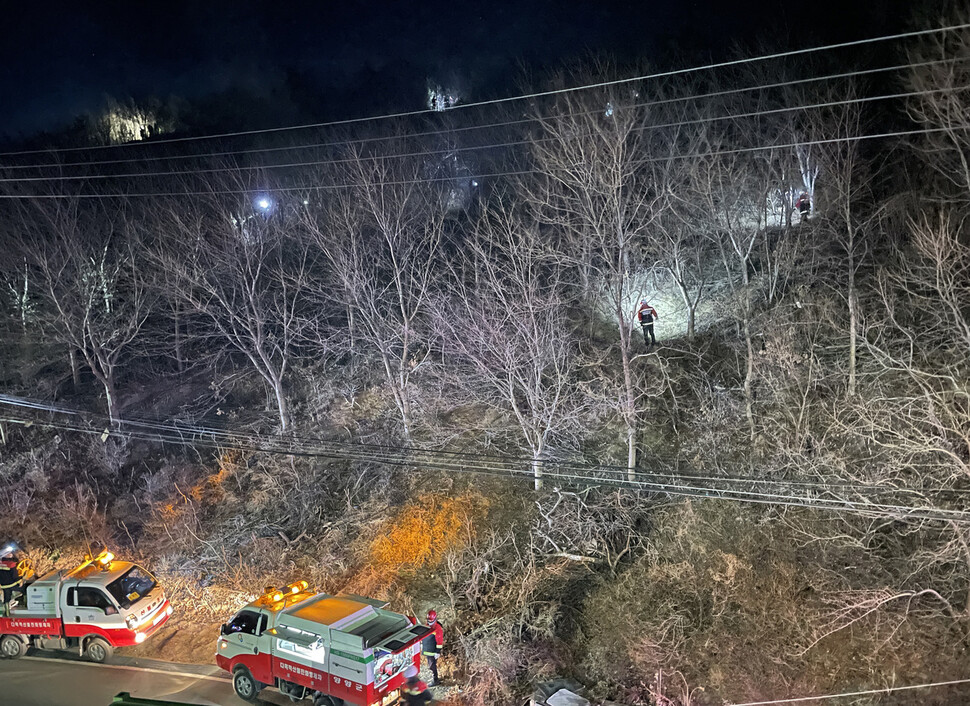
131 585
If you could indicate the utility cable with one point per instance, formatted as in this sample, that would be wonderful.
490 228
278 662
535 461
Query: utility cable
549 474
470 148
527 96
189 430
595 475
483 126
847 694
480 176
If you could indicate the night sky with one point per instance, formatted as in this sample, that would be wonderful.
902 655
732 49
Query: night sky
313 61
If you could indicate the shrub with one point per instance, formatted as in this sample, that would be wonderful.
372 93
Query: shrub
425 531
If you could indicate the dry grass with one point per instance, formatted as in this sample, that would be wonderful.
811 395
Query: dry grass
423 533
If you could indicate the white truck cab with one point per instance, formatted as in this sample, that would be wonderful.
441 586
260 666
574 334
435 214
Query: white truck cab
93 608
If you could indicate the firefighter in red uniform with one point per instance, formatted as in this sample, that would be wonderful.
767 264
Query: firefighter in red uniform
646 315
431 645
416 692
13 570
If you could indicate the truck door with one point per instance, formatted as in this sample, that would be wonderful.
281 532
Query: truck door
88 609
246 646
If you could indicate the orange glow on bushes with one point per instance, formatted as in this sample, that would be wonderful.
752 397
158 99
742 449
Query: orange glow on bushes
423 532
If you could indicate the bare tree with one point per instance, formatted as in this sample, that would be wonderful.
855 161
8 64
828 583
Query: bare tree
240 269
677 241
941 75
851 215
88 274
733 188
506 326
381 237
591 152
742 187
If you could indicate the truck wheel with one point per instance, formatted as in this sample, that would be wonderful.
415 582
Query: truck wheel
12 647
245 686
324 700
98 651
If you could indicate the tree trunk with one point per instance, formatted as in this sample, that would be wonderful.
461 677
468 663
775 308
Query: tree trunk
178 342
103 370
631 453
689 304
853 335
399 391
281 405
537 466
629 403
749 350
853 317
110 392
749 379
75 368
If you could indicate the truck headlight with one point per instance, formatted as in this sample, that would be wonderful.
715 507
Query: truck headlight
131 621
139 638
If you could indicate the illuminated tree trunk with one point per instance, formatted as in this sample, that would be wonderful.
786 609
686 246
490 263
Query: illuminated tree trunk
75 369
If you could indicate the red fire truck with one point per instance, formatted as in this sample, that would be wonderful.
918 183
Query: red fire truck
99 605
331 649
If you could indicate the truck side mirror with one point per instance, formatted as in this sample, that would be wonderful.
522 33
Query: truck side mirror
224 629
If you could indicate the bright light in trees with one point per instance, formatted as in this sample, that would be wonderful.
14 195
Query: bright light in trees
263 203
130 126
440 99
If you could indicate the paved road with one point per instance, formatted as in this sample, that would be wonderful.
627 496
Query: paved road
46 681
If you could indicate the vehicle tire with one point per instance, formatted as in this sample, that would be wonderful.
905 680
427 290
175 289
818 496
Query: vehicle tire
324 700
98 651
12 647
245 686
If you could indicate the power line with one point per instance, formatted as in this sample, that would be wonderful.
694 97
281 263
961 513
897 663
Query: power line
528 96
216 432
514 143
671 484
847 694
860 487
277 189
549 474
479 176
103 420
504 123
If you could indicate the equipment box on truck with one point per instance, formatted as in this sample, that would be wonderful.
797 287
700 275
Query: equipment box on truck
99 605
331 649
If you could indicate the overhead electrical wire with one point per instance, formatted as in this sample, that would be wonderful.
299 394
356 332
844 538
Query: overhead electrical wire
613 476
195 429
549 474
848 694
514 143
527 96
476 176
481 126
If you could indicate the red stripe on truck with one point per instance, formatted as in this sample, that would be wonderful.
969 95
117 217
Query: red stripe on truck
30 626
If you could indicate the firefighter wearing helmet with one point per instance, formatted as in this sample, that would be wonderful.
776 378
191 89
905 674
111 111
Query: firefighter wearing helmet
14 569
415 691
431 645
